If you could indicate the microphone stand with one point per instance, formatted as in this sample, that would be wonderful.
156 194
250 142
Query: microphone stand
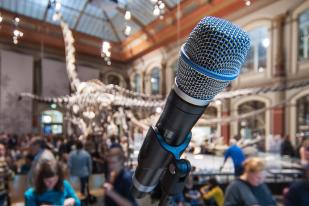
173 180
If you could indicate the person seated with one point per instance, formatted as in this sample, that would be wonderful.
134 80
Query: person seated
249 189
115 142
304 153
191 193
212 194
119 180
298 192
50 188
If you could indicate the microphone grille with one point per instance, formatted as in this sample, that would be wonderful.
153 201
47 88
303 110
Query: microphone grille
217 46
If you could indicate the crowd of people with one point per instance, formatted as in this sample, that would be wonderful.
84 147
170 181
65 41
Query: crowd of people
249 187
48 162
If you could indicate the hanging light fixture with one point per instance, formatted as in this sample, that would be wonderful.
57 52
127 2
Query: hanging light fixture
105 52
57 5
1 18
127 15
248 2
16 33
127 30
158 8
156 11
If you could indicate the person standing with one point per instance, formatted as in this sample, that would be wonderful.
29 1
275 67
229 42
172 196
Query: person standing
40 154
236 154
304 153
5 174
80 165
287 147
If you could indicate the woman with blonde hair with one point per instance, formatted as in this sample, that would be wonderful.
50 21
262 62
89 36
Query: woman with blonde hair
212 193
250 189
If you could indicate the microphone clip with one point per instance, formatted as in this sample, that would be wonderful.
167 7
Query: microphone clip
173 180
176 151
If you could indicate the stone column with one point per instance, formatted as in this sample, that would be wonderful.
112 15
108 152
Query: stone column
37 90
225 127
278 52
279 72
163 78
278 120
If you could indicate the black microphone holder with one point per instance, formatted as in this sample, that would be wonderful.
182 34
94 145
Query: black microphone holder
173 180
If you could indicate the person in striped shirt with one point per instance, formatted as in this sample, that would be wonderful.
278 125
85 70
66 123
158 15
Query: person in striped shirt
5 174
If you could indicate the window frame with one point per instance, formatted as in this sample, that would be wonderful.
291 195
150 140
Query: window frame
135 86
255 44
306 40
158 80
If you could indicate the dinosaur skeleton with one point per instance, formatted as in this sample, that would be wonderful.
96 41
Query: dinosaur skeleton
93 97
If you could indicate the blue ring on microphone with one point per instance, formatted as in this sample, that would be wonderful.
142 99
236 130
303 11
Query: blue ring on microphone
204 70
176 151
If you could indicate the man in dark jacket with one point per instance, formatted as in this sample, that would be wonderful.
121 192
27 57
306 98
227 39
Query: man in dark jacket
298 193
117 188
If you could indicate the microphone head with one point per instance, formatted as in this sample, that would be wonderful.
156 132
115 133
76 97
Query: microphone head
210 59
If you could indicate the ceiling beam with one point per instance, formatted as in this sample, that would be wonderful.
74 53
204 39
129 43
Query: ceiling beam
112 25
46 11
219 8
52 29
166 5
80 15
78 11
168 15
36 31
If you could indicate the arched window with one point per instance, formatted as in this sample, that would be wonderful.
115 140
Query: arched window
113 79
302 119
254 124
155 80
303 28
257 56
52 122
137 83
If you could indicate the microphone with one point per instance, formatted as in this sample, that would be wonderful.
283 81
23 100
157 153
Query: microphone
209 60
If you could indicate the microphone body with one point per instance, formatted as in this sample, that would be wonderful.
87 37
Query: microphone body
209 60
176 121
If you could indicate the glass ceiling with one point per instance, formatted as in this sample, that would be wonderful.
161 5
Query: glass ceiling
99 18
